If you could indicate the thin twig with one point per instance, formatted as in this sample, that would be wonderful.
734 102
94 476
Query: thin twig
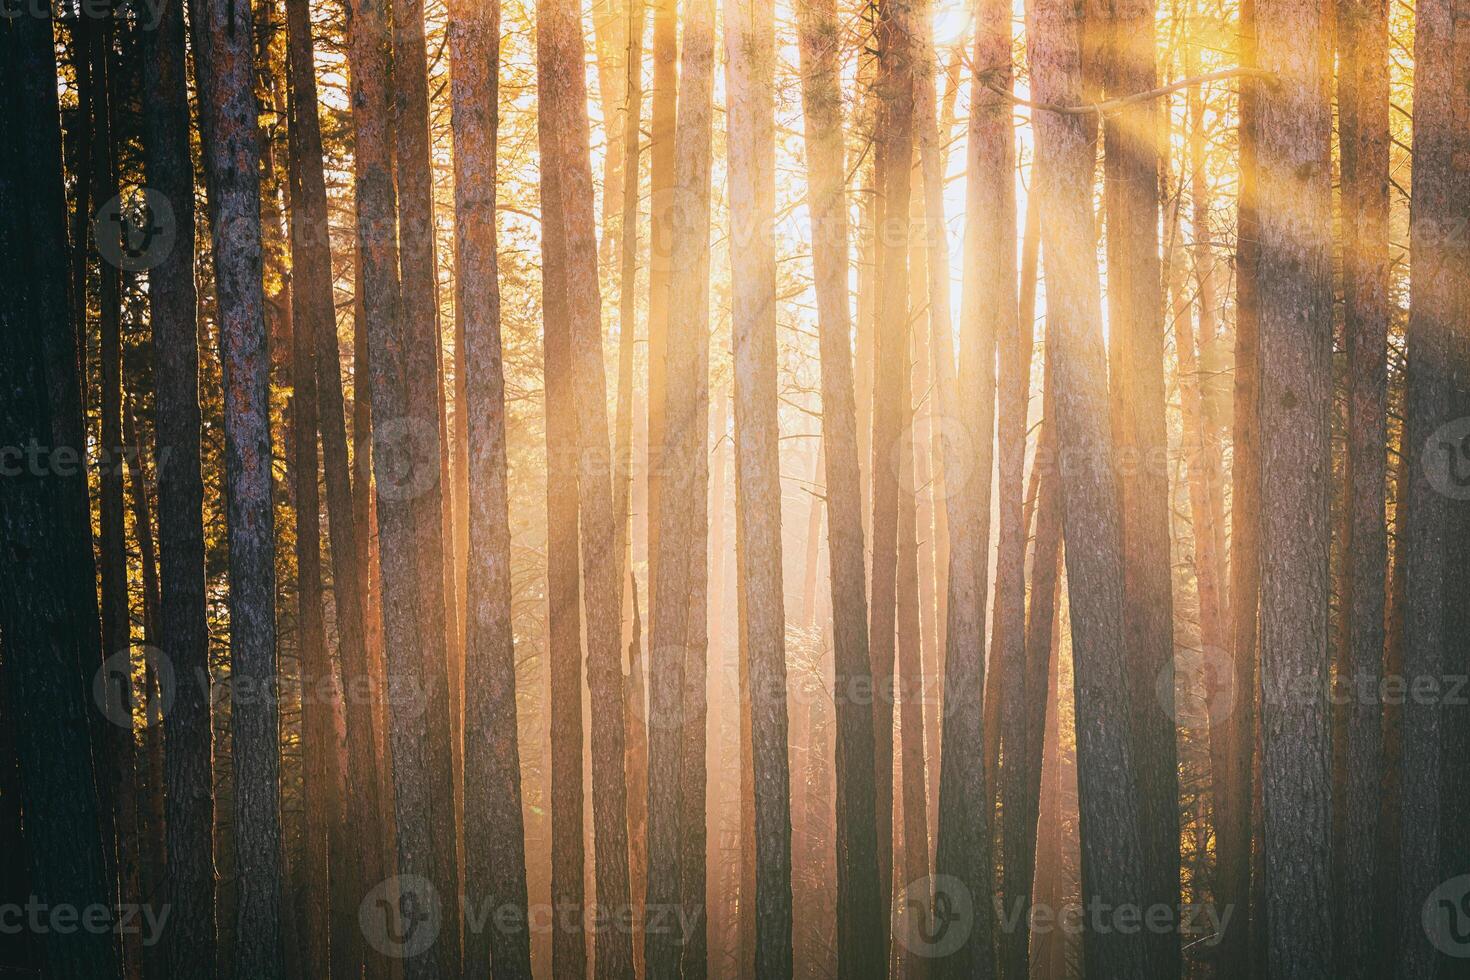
1113 105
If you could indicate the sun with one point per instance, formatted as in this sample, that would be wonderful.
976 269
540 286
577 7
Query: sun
951 22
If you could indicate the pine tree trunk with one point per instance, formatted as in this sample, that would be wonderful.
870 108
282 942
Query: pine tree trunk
750 65
48 605
1294 280
421 352
405 460
965 801
495 872
228 113
859 908
1363 122
564 101
189 889
1112 844
1433 439
662 209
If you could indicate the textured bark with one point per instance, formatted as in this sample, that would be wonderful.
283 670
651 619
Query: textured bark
894 153
750 79
312 908
48 610
1112 842
495 871
563 574
564 102
965 805
1363 96
859 910
676 779
232 156
1294 280
401 465
189 889
315 323
1132 139
662 209
419 325
1233 841
1437 376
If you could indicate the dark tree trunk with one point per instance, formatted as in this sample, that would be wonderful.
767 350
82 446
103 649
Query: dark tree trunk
222 35
419 326
1136 315
405 460
1364 133
859 906
750 65
189 937
1112 859
1434 442
315 322
677 641
48 606
1294 281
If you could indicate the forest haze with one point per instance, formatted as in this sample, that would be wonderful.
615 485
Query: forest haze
683 489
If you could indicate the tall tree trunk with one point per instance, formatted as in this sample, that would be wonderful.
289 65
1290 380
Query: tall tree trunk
421 352
564 101
1434 438
405 460
232 155
1363 96
495 872
563 574
895 148
676 783
315 321
662 210
1136 315
1112 843
1233 841
1296 381
859 902
189 888
965 804
751 64
48 606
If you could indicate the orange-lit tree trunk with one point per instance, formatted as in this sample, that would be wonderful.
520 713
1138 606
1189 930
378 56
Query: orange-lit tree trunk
859 909
964 845
1092 511
677 711
222 39
1363 97
750 48
563 101
662 210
